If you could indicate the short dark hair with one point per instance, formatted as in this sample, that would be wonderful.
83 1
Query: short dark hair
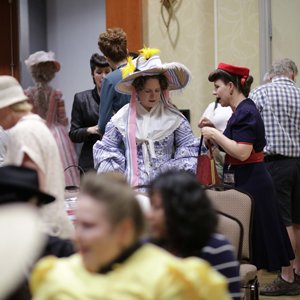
189 215
98 60
235 79
139 82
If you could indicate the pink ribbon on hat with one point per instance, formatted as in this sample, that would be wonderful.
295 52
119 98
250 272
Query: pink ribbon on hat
131 149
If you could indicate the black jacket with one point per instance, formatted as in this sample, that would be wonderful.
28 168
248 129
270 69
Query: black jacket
85 113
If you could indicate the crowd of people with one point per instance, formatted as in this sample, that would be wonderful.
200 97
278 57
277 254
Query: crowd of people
135 142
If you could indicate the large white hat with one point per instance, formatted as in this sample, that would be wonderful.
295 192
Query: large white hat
178 75
21 244
42 57
10 91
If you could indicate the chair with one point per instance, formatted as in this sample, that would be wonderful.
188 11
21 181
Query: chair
240 206
232 229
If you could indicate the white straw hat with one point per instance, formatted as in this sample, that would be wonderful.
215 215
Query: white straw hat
21 244
42 57
178 75
10 91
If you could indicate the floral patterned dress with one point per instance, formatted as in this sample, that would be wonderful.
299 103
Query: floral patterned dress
178 150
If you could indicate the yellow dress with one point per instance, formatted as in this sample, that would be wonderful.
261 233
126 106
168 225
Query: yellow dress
149 273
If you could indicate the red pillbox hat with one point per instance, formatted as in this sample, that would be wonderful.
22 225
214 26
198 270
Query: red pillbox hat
241 71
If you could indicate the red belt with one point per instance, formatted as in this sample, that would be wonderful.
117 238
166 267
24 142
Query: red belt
254 157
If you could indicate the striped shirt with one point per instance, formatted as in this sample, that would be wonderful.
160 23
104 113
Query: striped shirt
220 254
279 105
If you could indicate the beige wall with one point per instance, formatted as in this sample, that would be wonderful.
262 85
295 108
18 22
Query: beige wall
238 34
285 30
190 40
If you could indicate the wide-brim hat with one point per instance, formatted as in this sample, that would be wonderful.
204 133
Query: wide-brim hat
42 57
16 180
22 243
11 91
178 75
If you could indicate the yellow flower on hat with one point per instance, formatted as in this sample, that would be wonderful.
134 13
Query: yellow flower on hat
129 68
148 52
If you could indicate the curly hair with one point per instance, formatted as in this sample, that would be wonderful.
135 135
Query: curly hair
43 72
139 82
113 44
189 215
235 79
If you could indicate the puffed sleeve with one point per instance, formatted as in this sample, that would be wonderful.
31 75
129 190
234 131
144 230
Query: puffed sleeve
243 126
109 153
186 149
192 279
49 281
40 272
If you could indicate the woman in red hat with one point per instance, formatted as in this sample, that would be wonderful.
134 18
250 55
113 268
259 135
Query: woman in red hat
243 142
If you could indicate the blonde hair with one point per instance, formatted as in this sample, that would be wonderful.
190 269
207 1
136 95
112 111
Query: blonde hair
22 106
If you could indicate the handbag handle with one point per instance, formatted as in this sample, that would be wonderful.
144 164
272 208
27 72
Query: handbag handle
208 147
200 145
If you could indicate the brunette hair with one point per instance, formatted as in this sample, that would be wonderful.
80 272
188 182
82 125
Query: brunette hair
189 215
139 82
227 77
99 61
118 197
43 72
113 44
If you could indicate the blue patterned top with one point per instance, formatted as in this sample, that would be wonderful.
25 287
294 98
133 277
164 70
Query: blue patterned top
179 150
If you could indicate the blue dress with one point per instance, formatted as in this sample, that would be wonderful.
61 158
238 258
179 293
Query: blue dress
271 247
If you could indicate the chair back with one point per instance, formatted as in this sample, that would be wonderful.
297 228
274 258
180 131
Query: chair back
239 205
232 229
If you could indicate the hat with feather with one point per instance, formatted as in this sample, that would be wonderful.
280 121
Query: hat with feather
148 63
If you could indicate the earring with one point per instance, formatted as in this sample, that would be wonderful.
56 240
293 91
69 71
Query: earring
231 92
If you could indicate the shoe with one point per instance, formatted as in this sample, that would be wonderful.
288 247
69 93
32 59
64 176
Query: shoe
280 287
297 278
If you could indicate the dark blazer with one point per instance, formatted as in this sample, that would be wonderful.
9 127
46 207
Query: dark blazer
85 113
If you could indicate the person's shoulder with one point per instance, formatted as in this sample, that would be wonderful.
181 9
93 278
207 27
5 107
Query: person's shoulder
30 121
85 92
121 112
217 240
245 112
51 271
260 88
114 76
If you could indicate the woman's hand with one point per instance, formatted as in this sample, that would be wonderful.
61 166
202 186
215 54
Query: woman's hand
93 130
203 122
209 133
